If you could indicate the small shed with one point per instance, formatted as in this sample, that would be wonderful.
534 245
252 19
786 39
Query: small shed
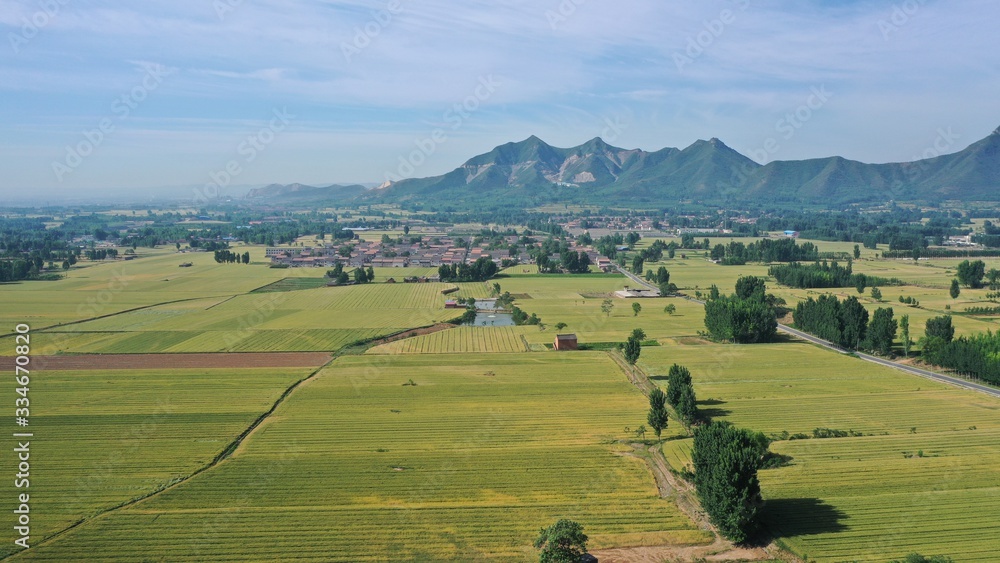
565 342
451 305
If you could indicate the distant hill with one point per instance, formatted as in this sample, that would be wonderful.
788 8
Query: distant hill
532 172
302 192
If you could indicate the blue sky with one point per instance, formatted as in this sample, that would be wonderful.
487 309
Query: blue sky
369 90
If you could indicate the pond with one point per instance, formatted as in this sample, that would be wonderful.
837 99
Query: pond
493 319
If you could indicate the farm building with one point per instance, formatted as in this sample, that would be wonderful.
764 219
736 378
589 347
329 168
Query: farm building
451 305
565 342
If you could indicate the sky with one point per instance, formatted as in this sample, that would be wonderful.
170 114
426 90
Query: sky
204 96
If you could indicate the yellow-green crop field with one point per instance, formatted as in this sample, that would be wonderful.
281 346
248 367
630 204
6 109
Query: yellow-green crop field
355 466
105 437
322 319
924 478
464 339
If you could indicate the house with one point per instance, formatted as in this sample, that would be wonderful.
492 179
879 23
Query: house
792 234
565 342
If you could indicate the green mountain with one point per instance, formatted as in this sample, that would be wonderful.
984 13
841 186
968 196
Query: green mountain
532 172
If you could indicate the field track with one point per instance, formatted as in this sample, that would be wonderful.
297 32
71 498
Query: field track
175 361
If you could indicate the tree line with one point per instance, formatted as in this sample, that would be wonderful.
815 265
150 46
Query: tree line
748 316
230 257
825 275
482 269
978 354
846 323
765 250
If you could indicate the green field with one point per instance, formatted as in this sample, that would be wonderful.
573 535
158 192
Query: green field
870 498
355 466
104 437
321 319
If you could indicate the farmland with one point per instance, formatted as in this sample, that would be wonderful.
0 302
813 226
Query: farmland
460 443
321 319
466 464
462 339
922 479
114 435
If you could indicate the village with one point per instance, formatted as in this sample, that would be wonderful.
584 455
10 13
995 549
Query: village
419 253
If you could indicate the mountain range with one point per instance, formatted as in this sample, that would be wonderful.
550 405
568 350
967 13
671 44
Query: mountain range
532 172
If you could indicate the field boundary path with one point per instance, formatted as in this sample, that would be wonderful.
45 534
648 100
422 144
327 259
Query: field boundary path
683 495
927 374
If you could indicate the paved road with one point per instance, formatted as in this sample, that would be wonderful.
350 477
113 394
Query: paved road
883 362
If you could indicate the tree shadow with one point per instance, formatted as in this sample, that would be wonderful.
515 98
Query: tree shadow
783 338
709 414
794 517
711 402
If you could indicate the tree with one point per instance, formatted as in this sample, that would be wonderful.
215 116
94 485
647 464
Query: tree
687 405
744 321
632 350
670 309
955 291
65 265
406 229
882 331
726 460
371 274
563 542
636 308
360 276
857 252
677 378
860 282
940 327
657 416
904 327
971 274
606 306
246 257
876 294
560 326
750 287
637 263
638 334
469 316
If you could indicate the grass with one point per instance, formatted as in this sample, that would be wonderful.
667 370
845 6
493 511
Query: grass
106 437
467 464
